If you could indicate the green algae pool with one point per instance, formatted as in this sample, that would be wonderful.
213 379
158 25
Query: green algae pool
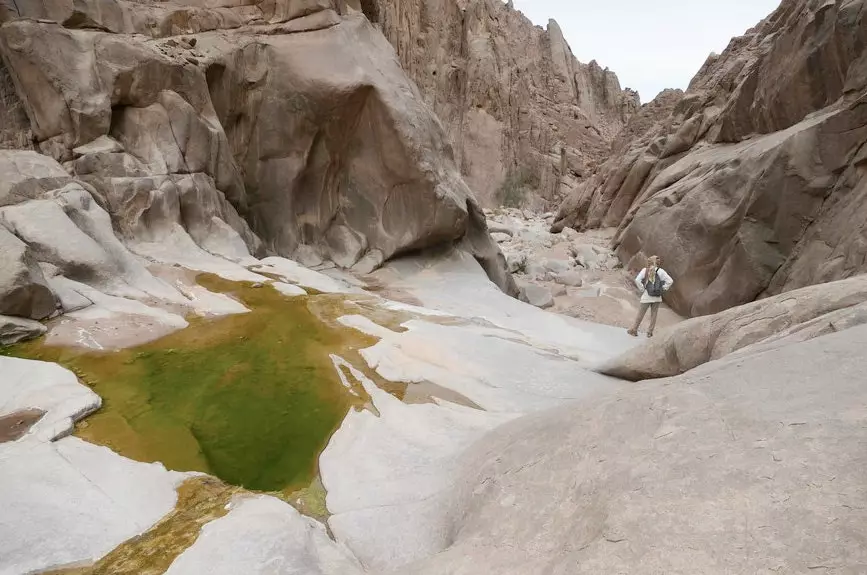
250 398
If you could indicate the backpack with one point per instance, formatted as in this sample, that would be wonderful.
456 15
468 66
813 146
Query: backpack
654 288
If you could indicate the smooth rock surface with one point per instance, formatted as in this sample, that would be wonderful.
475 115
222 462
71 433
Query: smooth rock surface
749 465
477 358
67 502
80 501
294 273
46 386
455 284
262 535
388 473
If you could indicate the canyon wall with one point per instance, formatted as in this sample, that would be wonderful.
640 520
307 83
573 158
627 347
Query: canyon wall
521 110
753 183
237 128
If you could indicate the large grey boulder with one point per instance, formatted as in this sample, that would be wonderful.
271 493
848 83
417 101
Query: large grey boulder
26 175
786 318
748 465
70 231
17 329
23 289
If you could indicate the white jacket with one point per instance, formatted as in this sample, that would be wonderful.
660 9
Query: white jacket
666 285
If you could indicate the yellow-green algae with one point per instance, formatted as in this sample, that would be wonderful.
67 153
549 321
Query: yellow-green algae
250 398
200 500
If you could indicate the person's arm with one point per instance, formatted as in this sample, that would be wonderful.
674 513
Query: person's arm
667 280
639 280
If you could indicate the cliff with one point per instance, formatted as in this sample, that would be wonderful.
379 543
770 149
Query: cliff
519 107
753 184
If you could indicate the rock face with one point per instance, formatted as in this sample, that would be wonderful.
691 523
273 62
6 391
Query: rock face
747 466
23 289
753 184
16 329
791 317
14 125
521 110
287 128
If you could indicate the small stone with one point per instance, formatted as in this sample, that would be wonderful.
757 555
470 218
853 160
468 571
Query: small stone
570 279
557 266
516 262
537 295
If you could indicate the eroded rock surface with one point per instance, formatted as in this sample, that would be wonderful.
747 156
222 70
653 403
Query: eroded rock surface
753 184
287 128
23 289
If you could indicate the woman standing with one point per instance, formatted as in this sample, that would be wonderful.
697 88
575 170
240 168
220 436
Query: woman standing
652 282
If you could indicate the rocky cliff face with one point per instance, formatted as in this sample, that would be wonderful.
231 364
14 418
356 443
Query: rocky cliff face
276 127
753 185
520 109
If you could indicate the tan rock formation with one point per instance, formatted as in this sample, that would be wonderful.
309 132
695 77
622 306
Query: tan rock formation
753 185
286 126
515 101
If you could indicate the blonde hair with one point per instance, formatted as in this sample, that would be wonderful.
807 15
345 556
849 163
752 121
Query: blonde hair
650 273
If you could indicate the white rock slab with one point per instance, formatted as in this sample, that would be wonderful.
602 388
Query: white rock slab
207 303
69 503
388 474
177 247
294 273
457 285
26 384
496 369
262 535
111 322
289 290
